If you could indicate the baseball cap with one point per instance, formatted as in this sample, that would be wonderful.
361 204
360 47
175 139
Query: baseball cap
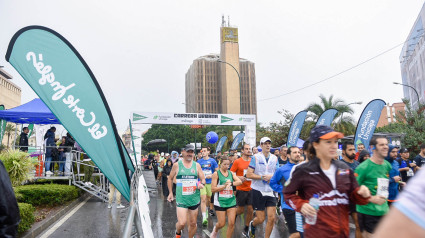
324 132
264 140
162 153
189 147
404 150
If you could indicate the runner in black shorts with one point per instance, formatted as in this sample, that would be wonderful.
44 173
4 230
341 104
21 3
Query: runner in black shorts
243 192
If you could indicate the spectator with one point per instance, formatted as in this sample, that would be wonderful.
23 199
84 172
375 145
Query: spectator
49 138
9 211
165 173
69 143
62 157
23 140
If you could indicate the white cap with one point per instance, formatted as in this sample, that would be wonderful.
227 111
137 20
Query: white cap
264 140
167 154
162 153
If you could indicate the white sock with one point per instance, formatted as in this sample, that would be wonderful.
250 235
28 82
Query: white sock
204 215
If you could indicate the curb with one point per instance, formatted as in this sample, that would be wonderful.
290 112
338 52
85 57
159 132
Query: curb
35 231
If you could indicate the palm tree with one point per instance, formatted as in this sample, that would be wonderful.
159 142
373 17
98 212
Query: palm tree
316 109
8 130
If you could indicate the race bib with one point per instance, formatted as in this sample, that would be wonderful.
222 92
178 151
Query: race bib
410 173
383 184
244 174
189 186
226 193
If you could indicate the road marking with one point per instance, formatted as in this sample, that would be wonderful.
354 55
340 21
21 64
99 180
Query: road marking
207 232
61 221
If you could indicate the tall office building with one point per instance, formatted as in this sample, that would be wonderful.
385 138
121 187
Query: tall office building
412 62
212 81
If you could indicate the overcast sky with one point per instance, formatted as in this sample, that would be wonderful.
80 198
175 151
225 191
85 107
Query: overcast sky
140 50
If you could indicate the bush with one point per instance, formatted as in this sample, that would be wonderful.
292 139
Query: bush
19 197
18 165
27 216
47 194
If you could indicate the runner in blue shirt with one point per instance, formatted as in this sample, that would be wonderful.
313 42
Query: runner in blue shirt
209 166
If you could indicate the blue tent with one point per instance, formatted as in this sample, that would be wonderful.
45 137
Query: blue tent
33 112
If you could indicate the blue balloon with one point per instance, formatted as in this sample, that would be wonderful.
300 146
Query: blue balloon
212 137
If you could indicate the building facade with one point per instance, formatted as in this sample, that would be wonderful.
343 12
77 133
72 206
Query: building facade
10 97
389 113
412 62
222 83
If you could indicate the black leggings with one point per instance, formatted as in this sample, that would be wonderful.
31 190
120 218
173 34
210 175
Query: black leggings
165 186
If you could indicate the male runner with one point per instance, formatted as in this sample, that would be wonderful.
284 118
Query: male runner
348 157
420 158
243 192
261 170
209 166
374 173
278 182
187 195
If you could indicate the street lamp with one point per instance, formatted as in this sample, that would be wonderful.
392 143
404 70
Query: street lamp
195 128
417 94
240 83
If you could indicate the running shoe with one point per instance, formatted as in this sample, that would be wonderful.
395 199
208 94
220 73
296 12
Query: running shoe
110 206
205 222
251 230
211 212
278 211
245 231
120 206
177 235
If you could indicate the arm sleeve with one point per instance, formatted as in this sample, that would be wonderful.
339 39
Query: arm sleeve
354 196
291 189
275 181
411 201
252 163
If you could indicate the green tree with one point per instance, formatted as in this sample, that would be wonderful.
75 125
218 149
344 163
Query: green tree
411 124
8 131
276 131
343 121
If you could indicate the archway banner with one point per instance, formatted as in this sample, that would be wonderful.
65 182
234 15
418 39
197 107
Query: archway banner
368 122
61 78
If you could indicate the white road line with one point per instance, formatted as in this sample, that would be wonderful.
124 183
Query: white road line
61 221
207 232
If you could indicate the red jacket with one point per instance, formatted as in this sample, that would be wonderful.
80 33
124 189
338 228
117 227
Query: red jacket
332 218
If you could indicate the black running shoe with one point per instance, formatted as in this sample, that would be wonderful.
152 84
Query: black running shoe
251 230
212 214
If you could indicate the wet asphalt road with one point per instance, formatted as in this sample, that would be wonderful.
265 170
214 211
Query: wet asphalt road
94 219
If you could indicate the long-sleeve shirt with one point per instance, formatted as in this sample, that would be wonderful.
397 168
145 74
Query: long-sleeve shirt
278 180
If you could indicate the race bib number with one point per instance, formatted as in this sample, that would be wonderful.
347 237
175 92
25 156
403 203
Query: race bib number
226 193
244 174
189 186
383 184
410 173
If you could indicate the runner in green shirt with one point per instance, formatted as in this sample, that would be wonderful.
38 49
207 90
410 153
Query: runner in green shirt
374 173
188 198
224 199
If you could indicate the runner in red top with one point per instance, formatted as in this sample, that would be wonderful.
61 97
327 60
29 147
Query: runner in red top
243 192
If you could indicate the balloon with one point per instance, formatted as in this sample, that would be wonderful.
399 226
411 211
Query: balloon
212 137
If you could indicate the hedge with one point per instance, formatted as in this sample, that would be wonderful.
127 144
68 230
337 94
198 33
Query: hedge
47 194
27 216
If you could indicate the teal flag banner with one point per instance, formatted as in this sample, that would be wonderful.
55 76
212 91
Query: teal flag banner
220 144
132 141
296 127
368 122
2 125
31 129
238 139
62 79
327 117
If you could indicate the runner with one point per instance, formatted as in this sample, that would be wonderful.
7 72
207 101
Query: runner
348 157
187 173
394 175
209 166
224 200
406 166
243 192
374 173
327 183
277 183
261 170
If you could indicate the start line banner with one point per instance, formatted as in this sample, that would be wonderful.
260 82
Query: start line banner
193 119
